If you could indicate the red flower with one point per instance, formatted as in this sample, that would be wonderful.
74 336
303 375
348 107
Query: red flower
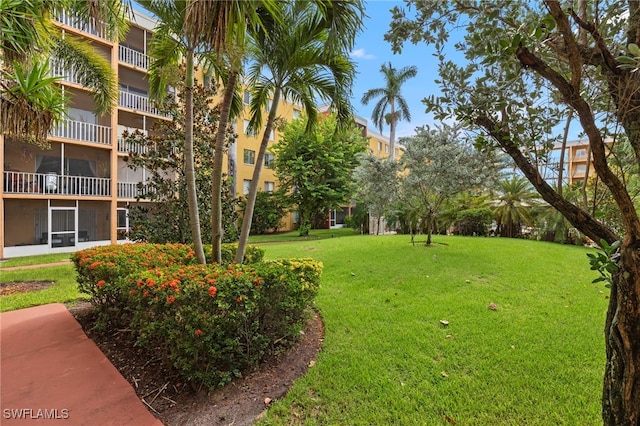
171 299
132 292
212 291
145 294
239 299
198 332
101 283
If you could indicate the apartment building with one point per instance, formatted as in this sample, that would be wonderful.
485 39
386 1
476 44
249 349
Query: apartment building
76 194
577 162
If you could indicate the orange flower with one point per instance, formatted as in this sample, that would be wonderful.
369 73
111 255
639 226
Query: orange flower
198 332
145 294
171 299
212 291
239 299
101 283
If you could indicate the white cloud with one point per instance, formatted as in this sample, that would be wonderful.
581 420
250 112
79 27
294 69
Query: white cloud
361 54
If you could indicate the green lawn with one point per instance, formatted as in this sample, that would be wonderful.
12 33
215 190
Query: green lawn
386 359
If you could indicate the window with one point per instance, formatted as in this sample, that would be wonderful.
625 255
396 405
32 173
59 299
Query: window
269 186
272 135
246 98
249 156
296 113
386 148
245 186
379 146
269 160
246 127
581 153
581 169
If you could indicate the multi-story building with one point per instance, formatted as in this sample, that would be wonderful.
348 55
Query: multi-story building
76 193
577 161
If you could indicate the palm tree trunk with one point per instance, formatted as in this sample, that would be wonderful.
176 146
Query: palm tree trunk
217 230
392 133
190 175
247 218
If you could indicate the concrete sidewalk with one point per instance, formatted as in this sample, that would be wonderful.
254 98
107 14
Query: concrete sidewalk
52 373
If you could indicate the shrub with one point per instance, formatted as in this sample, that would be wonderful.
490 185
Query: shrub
214 322
101 269
252 254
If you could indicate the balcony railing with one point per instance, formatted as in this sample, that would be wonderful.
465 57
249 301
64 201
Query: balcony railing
85 132
133 57
51 183
96 29
127 147
138 103
58 70
131 190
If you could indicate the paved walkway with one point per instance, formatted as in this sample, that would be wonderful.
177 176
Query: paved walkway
52 373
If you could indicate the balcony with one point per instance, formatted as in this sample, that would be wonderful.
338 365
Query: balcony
126 147
132 190
50 183
133 57
96 29
58 70
138 103
84 132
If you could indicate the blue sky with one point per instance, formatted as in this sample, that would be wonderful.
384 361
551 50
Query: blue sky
371 51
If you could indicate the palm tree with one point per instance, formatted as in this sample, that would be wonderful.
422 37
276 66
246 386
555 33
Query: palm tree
390 98
30 102
171 43
513 206
222 25
304 58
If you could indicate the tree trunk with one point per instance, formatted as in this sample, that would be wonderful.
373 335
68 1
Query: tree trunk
190 175
217 230
247 218
621 393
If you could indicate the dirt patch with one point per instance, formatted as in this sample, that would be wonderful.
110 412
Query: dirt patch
7 289
177 403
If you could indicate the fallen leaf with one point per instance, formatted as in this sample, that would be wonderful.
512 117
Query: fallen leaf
312 363
444 323
267 401
449 420
493 306
444 374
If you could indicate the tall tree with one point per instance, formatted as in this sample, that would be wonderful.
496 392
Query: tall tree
302 58
440 164
529 62
376 181
223 26
172 42
30 103
316 167
391 100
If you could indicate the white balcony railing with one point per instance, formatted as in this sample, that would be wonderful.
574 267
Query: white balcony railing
131 190
58 70
133 57
51 183
97 29
85 132
138 103
127 147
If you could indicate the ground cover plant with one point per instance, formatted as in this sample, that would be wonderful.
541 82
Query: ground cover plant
523 344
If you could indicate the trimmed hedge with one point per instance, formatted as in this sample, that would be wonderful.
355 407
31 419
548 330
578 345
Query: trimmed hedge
212 321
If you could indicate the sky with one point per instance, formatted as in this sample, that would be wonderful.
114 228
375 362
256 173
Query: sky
371 51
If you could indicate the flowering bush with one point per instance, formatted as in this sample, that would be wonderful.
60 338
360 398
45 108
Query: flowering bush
213 321
216 321
100 270
252 254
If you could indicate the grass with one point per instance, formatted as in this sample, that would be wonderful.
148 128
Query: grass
386 358
35 260
65 288
293 236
